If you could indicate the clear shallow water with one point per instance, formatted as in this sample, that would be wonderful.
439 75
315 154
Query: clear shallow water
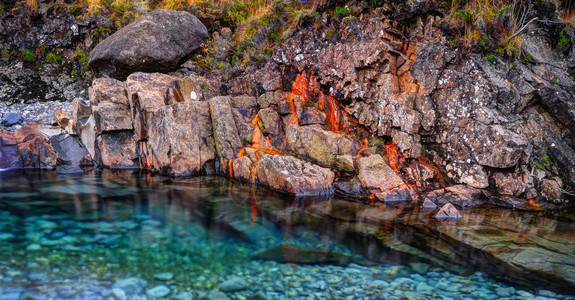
124 235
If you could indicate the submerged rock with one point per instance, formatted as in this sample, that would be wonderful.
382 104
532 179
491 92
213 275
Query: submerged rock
233 284
159 41
131 286
295 254
159 291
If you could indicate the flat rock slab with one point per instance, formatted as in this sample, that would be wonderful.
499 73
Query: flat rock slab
292 175
160 41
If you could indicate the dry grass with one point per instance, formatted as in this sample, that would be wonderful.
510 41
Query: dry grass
33 7
492 23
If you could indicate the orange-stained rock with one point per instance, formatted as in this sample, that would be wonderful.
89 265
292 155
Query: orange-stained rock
35 151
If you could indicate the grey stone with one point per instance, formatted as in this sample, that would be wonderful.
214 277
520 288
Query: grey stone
233 284
131 285
164 276
448 212
159 291
428 204
159 41
12 118
66 291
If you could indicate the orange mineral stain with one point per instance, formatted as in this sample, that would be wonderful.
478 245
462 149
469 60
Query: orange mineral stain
438 173
392 157
364 145
330 106
300 87
534 204
230 168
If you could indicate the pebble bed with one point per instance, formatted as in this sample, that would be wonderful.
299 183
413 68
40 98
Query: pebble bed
58 242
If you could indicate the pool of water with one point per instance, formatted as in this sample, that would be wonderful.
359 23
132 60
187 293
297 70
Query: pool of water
126 235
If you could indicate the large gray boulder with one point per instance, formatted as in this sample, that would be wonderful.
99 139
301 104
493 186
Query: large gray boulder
157 42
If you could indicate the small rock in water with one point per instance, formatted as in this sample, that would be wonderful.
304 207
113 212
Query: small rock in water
164 276
6 236
234 284
159 291
132 285
546 293
184 296
420 268
12 119
428 204
448 212
217 295
66 291
33 247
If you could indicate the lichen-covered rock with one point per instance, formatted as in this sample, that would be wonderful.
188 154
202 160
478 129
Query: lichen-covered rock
180 139
159 41
271 121
326 148
551 190
226 135
110 105
378 178
291 175
191 88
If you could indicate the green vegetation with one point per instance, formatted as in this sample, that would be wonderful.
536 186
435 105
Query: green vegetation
53 58
563 42
491 25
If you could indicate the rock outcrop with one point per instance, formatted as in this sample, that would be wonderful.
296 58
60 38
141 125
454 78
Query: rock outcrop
159 41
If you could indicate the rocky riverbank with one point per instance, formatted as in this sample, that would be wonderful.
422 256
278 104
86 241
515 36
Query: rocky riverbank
371 112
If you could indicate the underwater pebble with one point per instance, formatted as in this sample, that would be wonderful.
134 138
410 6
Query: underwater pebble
33 247
132 285
159 291
66 291
165 276
6 236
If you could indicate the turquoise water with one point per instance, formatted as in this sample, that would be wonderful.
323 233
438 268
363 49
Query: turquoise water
126 235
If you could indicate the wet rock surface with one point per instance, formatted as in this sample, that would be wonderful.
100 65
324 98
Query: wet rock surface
159 41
